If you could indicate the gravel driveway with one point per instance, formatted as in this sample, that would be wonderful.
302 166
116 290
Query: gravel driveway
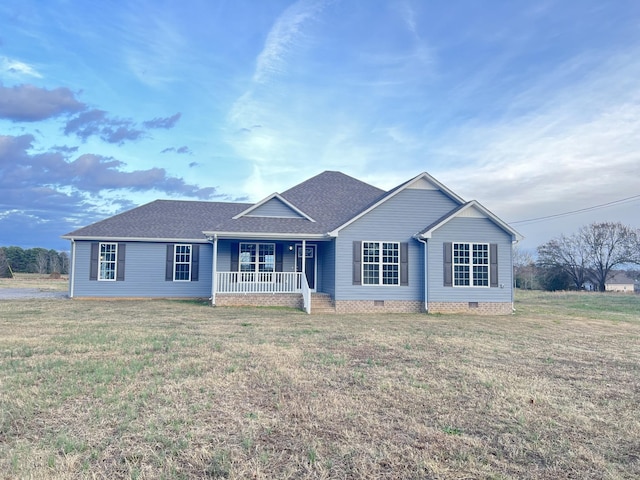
29 293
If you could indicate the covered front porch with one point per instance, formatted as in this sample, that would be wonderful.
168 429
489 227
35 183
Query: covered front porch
265 272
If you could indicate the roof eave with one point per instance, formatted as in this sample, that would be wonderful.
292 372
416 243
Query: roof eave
98 238
268 235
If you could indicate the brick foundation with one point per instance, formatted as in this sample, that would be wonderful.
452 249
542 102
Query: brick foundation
477 308
293 300
379 306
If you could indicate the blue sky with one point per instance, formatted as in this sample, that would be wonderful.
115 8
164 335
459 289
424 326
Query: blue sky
531 108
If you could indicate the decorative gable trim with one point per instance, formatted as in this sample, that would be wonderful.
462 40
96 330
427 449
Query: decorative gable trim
247 212
423 181
470 209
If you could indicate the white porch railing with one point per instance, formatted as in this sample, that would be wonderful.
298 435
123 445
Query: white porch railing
265 282
306 294
258 282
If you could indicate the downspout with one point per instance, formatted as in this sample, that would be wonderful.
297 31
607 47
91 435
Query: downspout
72 279
214 269
513 279
426 275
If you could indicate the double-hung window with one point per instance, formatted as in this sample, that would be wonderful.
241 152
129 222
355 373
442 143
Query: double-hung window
182 263
471 264
380 263
107 261
257 261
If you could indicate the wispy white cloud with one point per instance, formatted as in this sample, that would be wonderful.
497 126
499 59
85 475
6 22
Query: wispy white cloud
15 68
285 37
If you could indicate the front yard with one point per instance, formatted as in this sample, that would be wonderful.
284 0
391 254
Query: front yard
173 389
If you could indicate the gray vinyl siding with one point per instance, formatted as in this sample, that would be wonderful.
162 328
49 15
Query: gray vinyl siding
475 230
144 274
274 208
398 220
326 267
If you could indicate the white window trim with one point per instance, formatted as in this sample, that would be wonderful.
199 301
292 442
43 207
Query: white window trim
100 262
470 265
257 275
380 264
176 263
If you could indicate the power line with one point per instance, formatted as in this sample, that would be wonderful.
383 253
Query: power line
581 210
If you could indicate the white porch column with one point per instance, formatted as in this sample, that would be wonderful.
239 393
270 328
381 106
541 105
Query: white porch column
214 270
304 256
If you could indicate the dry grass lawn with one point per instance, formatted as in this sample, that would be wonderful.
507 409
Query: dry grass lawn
43 283
171 389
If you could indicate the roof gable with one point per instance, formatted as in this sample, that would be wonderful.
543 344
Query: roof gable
472 209
273 206
424 181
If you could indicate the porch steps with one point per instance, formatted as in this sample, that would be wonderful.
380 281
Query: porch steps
321 303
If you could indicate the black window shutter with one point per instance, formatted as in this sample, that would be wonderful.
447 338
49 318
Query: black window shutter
493 264
357 263
404 264
122 249
447 264
235 253
278 257
195 262
93 267
168 274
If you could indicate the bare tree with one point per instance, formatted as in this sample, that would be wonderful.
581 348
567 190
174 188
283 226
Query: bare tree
54 262
4 264
610 245
42 261
64 262
524 267
592 252
569 254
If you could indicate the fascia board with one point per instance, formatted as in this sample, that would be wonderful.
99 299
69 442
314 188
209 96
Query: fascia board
275 236
133 239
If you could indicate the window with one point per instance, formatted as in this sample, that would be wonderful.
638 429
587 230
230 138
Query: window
182 264
107 261
257 257
380 263
470 264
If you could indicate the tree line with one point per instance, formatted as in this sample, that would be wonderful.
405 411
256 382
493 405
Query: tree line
589 255
32 260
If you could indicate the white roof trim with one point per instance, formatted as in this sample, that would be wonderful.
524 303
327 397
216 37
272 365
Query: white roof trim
268 235
423 175
96 238
271 197
473 204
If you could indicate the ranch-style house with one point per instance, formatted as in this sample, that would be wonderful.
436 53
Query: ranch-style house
331 243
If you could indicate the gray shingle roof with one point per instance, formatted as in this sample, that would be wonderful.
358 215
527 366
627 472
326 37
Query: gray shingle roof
166 219
330 198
